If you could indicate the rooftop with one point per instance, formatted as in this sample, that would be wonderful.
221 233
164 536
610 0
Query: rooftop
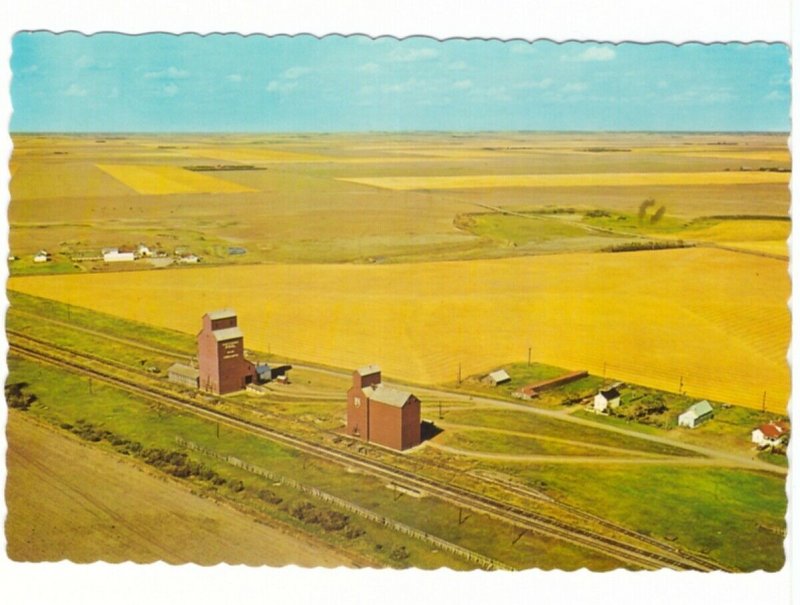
227 334
610 394
700 408
221 314
367 370
388 395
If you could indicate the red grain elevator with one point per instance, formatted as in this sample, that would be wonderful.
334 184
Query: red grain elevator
220 352
380 414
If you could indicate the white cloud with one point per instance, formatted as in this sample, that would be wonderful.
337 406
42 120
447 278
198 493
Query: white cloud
462 84
296 72
457 65
170 90
84 61
491 93
540 84
775 95
405 55
171 73
366 90
281 86
575 87
662 84
401 87
369 68
75 90
705 96
595 53
234 78
522 48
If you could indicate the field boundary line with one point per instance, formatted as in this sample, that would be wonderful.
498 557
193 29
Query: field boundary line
486 562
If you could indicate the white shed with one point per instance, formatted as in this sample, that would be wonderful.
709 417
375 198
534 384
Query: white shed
113 255
606 399
498 377
42 256
696 415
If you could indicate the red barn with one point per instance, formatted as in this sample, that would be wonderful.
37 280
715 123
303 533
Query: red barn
220 351
382 415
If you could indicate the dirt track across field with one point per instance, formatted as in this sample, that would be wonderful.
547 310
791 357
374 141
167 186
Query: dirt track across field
69 501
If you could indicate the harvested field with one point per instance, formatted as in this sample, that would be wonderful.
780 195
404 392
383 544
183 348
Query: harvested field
251 154
164 180
627 179
653 318
70 501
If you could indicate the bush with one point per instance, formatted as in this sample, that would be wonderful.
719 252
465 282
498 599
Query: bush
399 553
333 520
17 398
269 496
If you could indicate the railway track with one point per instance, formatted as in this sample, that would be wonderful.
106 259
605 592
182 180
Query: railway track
649 554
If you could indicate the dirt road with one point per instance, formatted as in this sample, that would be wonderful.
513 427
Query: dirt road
70 501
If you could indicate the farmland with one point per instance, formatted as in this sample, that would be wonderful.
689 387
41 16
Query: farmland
128 515
437 256
724 332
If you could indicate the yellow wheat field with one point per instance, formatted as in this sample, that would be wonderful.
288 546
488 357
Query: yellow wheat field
716 151
715 319
603 179
246 154
164 180
764 236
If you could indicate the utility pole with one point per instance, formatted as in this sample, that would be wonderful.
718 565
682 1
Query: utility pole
459 372
529 356
440 409
680 386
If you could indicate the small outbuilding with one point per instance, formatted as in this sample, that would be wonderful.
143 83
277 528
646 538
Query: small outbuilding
115 255
497 377
42 256
696 415
605 400
771 434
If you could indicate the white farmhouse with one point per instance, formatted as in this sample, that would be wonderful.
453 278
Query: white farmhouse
605 400
42 256
770 434
143 251
696 415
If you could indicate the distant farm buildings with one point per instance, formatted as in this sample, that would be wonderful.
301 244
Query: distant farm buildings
42 256
220 345
696 415
605 400
497 377
116 255
772 434
380 414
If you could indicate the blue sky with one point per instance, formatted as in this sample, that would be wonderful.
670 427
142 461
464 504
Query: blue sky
229 83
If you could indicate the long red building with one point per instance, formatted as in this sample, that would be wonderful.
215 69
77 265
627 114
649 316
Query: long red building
220 352
380 414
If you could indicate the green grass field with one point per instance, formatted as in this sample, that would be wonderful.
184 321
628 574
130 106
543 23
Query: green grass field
64 398
737 517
